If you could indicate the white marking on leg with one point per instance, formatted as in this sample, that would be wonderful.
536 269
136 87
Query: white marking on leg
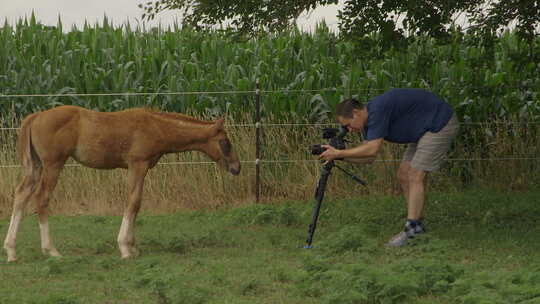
11 237
46 243
123 243
131 238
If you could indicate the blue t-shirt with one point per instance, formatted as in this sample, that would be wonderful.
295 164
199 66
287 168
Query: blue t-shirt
405 115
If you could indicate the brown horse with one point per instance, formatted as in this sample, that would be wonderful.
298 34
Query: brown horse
133 139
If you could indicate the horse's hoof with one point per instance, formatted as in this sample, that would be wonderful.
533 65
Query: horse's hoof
51 252
55 254
135 252
11 256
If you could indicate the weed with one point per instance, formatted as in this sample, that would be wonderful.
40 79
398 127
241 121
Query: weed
105 247
285 215
58 299
187 295
53 266
99 220
281 275
250 287
178 244
348 238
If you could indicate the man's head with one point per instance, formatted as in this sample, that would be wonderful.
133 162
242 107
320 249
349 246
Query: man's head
352 114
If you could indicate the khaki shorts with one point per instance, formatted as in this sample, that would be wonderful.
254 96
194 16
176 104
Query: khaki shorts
429 152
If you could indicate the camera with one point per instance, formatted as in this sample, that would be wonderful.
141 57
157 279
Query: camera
335 139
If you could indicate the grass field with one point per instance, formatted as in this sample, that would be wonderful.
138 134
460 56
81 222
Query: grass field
482 247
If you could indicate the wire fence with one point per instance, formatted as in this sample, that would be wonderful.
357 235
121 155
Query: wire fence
270 161
185 93
259 125
228 92
280 125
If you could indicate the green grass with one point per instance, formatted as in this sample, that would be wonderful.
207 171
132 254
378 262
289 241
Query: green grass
482 247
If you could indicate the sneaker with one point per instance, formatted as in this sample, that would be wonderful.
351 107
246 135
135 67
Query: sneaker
412 228
419 227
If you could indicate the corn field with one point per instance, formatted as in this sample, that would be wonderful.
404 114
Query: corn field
302 75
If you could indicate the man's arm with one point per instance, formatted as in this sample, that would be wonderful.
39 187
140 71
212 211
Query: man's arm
366 160
361 152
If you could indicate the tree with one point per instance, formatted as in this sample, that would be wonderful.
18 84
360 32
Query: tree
395 19
245 16
525 14
359 18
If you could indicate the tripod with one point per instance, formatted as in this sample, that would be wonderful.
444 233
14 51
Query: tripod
319 195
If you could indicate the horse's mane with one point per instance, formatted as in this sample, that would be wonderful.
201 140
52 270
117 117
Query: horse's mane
178 117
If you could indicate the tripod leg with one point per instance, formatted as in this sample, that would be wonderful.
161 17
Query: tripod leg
319 195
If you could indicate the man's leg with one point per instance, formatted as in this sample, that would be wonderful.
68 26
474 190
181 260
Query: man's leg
403 178
416 193
412 182
420 158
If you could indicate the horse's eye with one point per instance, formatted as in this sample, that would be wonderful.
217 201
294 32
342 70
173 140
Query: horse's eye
225 145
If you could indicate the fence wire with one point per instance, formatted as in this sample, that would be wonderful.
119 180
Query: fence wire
263 125
277 161
278 125
223 92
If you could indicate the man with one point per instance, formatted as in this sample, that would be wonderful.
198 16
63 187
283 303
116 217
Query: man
405 116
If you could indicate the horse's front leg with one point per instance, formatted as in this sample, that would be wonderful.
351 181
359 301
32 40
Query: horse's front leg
126 236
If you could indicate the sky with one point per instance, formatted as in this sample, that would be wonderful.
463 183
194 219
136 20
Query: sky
75 12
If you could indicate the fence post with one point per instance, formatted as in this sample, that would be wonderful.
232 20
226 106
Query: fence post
257 141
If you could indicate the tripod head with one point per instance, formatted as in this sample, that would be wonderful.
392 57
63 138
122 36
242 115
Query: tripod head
335 138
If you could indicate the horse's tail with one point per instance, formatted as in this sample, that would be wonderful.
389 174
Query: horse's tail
27 154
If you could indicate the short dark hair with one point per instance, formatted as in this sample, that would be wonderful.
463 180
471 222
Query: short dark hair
346 107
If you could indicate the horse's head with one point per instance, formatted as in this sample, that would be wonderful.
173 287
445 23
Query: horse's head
220 149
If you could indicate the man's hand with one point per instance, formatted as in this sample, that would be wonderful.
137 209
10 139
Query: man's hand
330 153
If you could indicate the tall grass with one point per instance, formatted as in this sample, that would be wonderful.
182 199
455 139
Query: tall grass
288 172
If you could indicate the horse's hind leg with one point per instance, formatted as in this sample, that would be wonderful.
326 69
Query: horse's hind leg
47 183
23 193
